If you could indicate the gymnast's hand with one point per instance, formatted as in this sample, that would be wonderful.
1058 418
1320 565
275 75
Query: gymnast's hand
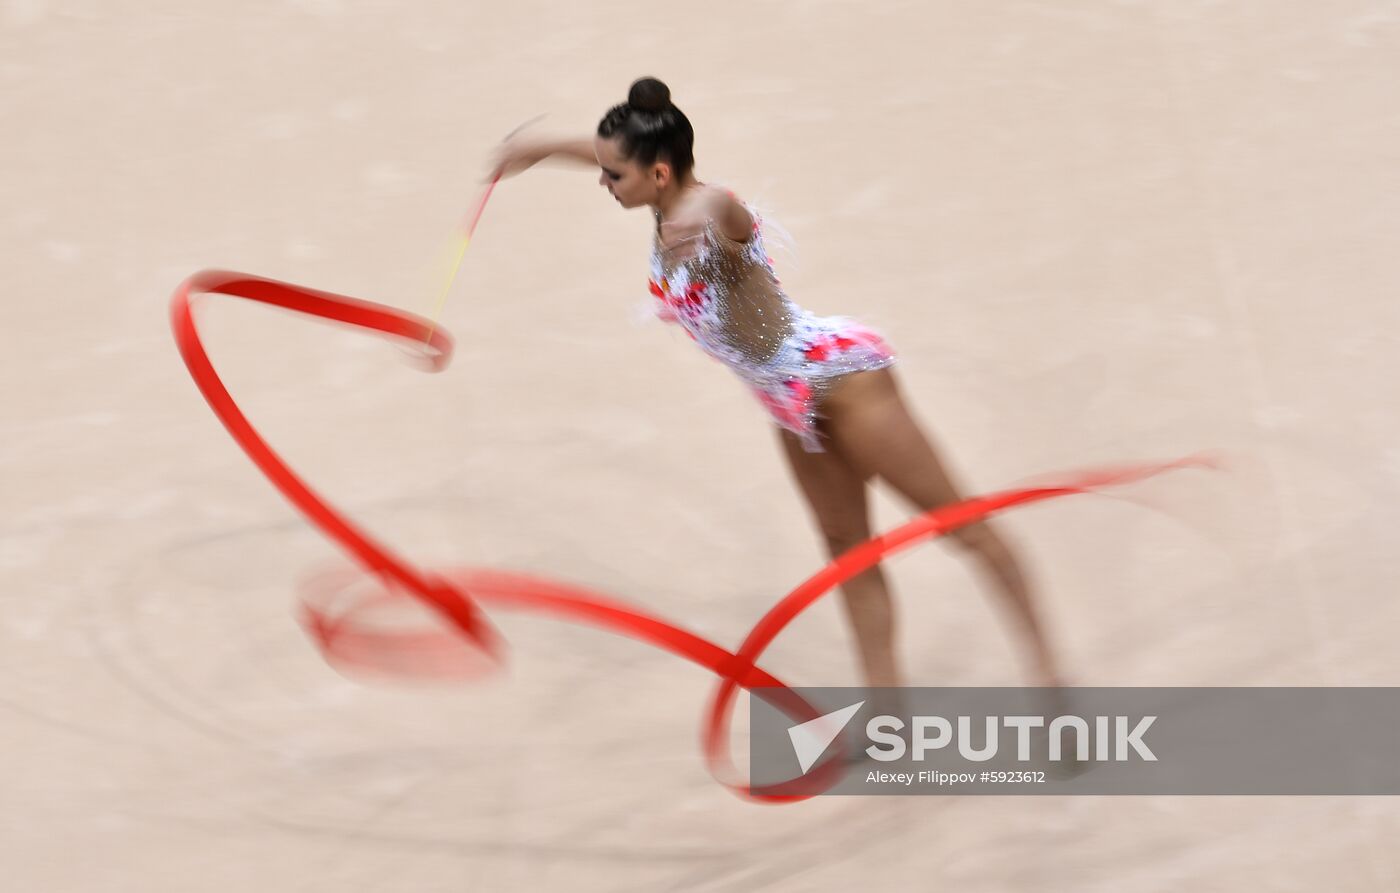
516 154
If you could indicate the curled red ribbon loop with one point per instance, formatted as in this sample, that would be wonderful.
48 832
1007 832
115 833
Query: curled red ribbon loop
336 616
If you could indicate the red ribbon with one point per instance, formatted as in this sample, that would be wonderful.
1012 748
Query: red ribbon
337 618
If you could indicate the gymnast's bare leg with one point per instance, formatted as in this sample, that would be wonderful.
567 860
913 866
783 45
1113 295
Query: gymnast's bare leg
871 433
836 494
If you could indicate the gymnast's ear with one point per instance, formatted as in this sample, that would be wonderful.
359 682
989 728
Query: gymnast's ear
661 174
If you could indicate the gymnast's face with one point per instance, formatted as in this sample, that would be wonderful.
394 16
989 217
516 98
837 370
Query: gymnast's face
630 183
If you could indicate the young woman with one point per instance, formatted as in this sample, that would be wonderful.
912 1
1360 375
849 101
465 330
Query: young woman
826 381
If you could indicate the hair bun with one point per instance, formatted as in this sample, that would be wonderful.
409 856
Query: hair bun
649 95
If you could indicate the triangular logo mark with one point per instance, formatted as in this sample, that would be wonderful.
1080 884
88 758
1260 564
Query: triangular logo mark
811 738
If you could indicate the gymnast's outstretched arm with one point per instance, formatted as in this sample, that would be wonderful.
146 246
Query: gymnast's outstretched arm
518 153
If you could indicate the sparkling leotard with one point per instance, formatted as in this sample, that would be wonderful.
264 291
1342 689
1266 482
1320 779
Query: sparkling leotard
727 298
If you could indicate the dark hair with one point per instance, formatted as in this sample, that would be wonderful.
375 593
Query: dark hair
651 128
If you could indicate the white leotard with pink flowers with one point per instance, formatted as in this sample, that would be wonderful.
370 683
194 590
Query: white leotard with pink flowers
727 298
